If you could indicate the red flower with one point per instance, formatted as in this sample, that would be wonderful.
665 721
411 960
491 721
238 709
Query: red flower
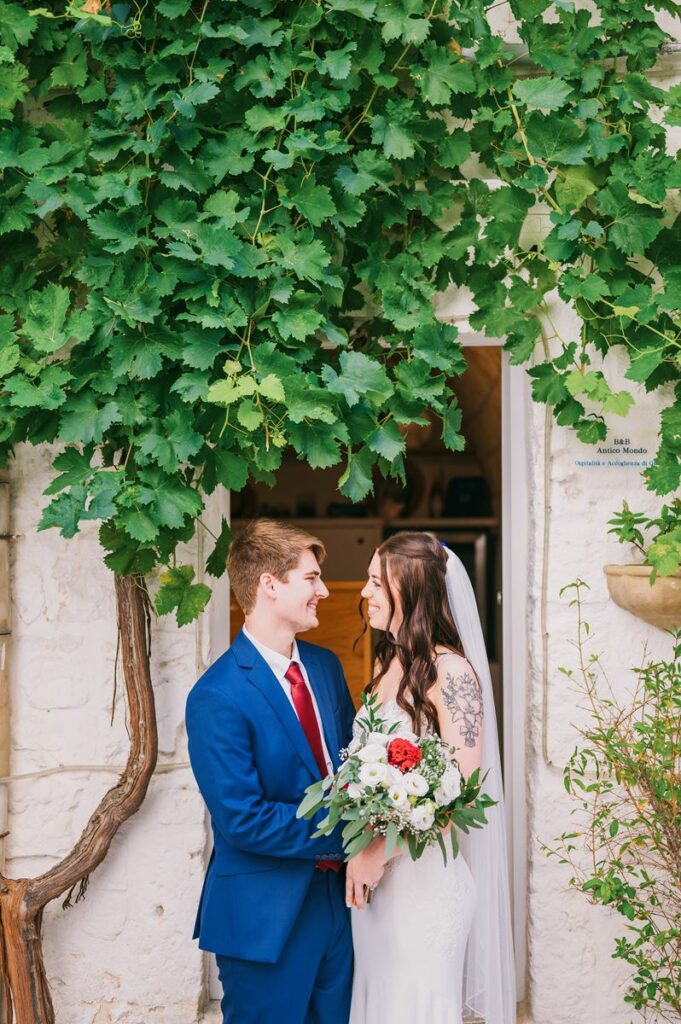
403 754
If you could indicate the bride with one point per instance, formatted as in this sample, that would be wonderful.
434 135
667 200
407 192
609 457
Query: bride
433 942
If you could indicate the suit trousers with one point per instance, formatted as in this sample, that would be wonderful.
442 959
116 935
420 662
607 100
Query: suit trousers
311 983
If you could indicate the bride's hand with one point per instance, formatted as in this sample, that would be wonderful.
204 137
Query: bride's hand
364 872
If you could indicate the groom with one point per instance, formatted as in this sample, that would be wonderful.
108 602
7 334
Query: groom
267 719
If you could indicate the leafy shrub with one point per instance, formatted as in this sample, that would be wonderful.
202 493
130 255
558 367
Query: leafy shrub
625 852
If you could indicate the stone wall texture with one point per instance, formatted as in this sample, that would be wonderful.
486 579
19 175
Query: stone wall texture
123 955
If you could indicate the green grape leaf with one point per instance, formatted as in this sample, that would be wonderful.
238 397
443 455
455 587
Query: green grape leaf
619 403
574 185
360 378
216 563
65 512
633 226
543 93
451 428
442 74
178 593
299 318
312 200
356 482
547 384
124 556
591 431
398 141
455 149
120 231
318 443
231 469
387 441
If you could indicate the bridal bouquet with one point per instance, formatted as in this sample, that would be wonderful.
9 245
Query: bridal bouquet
395 784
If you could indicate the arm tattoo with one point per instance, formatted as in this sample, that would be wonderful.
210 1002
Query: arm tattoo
463 699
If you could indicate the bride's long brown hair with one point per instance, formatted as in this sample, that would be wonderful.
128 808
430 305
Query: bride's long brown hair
417 564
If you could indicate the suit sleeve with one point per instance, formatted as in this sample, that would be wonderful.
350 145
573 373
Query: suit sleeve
222 760
347 708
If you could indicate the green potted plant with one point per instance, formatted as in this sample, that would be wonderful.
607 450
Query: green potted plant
651 589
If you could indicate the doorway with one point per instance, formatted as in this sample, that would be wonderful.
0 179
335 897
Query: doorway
476 501
456 495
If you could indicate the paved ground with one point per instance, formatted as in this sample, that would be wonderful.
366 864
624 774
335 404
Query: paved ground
212 1015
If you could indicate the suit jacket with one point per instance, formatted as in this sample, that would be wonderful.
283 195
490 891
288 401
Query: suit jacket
252 763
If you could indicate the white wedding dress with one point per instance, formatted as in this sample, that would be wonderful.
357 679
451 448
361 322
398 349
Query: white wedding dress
410 941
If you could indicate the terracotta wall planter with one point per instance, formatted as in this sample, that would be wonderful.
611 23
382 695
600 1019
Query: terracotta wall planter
630 588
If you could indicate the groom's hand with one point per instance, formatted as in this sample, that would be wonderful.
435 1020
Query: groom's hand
364 872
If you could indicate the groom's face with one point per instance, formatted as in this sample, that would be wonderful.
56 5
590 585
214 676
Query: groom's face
296 598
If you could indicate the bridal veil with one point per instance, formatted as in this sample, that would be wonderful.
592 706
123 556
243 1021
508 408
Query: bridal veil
489 972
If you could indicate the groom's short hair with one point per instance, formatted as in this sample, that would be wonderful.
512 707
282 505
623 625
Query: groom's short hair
266 546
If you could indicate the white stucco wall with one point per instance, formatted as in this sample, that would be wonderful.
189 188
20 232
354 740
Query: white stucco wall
571 975
124 953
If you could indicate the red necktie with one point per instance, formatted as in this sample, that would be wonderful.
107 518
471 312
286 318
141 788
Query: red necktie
302 702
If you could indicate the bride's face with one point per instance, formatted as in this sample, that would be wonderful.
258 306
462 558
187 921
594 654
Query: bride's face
378 602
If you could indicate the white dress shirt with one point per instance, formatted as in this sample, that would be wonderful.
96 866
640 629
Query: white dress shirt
279 664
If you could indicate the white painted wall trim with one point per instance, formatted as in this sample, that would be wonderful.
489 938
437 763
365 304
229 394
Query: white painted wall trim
218 609
515 419
212 641
515 412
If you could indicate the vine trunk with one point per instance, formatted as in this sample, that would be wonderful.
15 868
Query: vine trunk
25 990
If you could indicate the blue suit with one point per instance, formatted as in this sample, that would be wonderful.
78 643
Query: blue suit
279 927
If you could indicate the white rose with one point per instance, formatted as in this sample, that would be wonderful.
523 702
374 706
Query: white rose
379 737
422 817
450 784
397 795
415 784
372 752
395 776
446 795
354 791
373 774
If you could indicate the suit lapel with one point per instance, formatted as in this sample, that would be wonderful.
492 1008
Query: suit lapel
321 691
262 677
